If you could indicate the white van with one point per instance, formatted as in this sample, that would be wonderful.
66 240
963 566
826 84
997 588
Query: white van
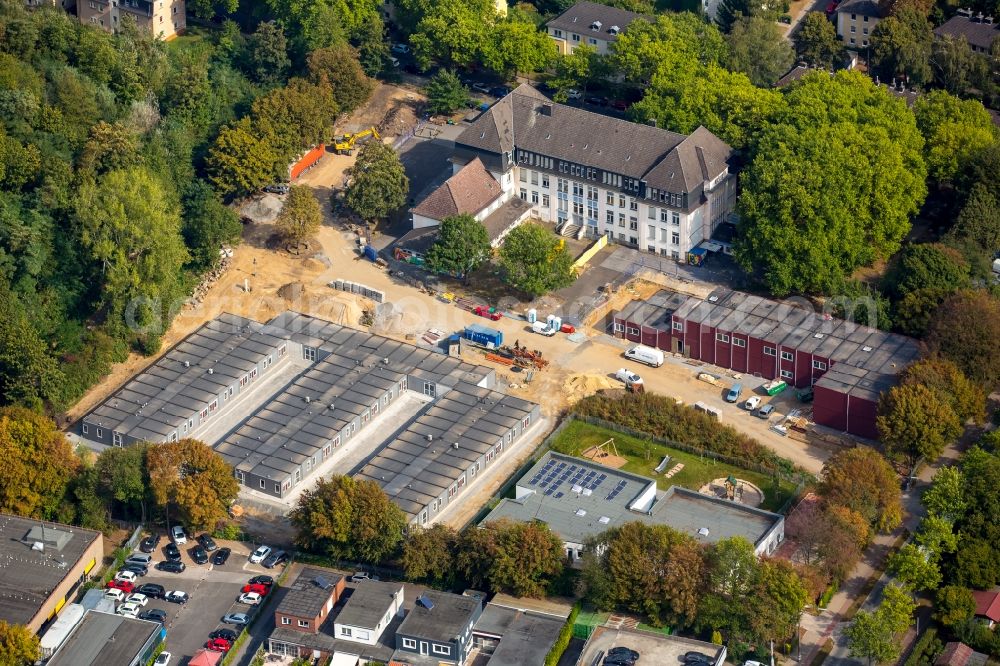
543 328
647 355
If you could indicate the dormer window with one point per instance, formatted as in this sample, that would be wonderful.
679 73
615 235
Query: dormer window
614 30
596 25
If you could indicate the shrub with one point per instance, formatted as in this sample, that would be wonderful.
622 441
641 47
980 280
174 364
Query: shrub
926 649
562 642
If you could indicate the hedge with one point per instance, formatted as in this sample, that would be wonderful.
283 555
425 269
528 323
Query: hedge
926 649
565 634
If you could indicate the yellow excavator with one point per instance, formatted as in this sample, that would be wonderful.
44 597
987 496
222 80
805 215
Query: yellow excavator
345 145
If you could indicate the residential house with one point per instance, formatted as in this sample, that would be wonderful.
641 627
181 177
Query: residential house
368 611
856 19
987 607
437 631
594 175
165 19
515 636
960 654
309 600
590 23
981 32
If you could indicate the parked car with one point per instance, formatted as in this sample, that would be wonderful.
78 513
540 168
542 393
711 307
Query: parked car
250 599
257 556
163 659
261 580
139 558
127 576
227 634
172 553
621 649
543 328
136 568
752 403
262 590
177 597
137 598
239 619
765 411
207 542
151 590
154 615
122 585
697 658
734 393
401 49
218 645
574 94
149 544
627 376
620 104
480 87
114 594
597 100
274 559
171 567
128 610
277 188
220 556
178 535
199 555
500 91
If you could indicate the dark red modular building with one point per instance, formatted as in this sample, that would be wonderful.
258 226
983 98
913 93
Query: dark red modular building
848 365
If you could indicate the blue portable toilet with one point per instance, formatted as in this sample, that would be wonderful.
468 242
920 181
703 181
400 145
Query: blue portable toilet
370 253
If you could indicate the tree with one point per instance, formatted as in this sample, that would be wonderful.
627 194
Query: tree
122 473
915 422
977 220
953 605
977 564
18 645
194 481
863 481
757 47
872 635
295 117
517 46
267 51
964 330
829 537
901 47
348 518
378 184
780 595
817 42
946 495
38 464
576 70
338 66
954 130
300 215
445 93
462 245
207 9
952 63
943 377
730 12
914 312
508 556
28 374
535 261
927 266
677 46
429 555
208 224
452 32
240 161
915 567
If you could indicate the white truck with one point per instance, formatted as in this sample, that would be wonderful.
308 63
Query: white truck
543 328
647 355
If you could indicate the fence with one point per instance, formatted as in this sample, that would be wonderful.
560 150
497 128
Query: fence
133 540
360 289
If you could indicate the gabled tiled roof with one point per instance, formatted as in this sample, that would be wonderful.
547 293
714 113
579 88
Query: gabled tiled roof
988 604
861 8
469 191
978 34
527 120
583 15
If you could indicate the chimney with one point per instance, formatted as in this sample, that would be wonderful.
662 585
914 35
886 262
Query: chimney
651 122
546 109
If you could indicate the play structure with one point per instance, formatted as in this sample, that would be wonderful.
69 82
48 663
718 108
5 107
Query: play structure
605 454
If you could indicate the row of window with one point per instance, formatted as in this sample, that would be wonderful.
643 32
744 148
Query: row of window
287 621
411 644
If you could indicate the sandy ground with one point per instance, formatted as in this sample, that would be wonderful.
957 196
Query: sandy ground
576 369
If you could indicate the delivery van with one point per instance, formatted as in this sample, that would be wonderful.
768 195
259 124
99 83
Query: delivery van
647 355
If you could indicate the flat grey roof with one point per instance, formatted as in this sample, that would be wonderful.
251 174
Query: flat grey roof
555 491
525 637
102 639
306 596
28 577
449 617
368 603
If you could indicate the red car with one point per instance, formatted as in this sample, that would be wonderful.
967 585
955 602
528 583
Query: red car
218 644
831 7
122 585
488 312
620 104
259 589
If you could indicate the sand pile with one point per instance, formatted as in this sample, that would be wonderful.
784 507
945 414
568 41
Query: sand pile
579 386
291 291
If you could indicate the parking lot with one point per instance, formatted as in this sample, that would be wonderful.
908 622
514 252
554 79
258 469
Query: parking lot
212 590
652 648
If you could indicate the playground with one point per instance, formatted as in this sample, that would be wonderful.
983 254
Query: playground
688 470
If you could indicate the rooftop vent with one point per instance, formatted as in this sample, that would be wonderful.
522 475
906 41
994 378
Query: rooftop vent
604 520
713 299
581 512
546 109
455 446
430 437
703 531
818 336
425 602
587 492
187 364
866 348
322 583
577 489
307 399
211 371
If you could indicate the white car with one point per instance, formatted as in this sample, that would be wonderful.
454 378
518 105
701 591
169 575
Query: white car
752 403
129 610
628 376
259 555
114 594
126 576
401 49
178 535
573 93
137 598
163 659
249 598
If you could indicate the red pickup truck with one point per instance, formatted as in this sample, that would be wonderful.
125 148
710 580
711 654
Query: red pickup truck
490 313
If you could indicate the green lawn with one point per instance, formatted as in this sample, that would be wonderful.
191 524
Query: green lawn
644 455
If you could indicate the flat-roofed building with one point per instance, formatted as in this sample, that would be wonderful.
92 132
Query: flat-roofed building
103 639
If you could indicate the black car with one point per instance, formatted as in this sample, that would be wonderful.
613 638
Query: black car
261 580
151 590
500 91
695 658
624 651
136 568
154 615
274 559
172 552
177 597
171 567
618 660
596 100
227 634
220 556
207 542
149 544
199 555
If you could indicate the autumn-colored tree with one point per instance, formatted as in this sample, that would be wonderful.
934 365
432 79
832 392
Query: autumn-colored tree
429 554
508 556
943 377
915 422
38 463
863 481
338 66
348 518
829 537
965 329
192 482
18 645
954 605
779 595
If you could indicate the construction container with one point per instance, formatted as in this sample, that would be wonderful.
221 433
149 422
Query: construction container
487 337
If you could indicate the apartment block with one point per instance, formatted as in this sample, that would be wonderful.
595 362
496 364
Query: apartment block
165 19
